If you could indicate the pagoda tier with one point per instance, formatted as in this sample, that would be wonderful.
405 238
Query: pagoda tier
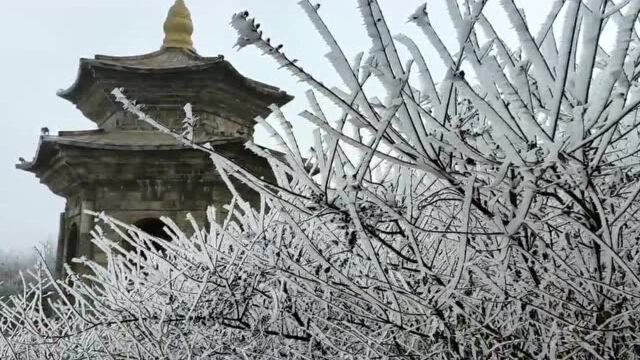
75 162
164 81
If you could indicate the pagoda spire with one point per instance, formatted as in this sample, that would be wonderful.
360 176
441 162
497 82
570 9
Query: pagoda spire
178 27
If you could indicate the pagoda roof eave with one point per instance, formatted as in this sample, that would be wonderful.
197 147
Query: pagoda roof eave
187 55
186 61
44 148
101 140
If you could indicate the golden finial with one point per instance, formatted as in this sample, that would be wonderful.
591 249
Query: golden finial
178 27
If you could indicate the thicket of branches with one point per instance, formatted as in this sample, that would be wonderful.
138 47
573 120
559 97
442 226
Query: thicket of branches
491 215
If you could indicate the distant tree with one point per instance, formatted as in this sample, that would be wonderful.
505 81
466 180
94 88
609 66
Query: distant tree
491 215
13 262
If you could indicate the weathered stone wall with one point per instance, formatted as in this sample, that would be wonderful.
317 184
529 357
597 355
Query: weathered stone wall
135 185
209 126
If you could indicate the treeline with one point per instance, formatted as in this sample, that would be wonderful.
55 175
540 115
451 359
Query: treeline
13 262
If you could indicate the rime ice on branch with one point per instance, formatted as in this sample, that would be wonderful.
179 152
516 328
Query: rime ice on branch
490 215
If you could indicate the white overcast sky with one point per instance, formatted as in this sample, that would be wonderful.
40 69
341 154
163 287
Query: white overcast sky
42 41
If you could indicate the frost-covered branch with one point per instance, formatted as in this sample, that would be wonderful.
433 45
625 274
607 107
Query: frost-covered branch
492 214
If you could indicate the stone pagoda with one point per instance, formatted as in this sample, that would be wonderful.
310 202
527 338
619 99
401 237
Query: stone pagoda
133 172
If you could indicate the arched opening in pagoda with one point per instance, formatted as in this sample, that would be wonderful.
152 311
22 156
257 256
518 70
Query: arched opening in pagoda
154 227
73 243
